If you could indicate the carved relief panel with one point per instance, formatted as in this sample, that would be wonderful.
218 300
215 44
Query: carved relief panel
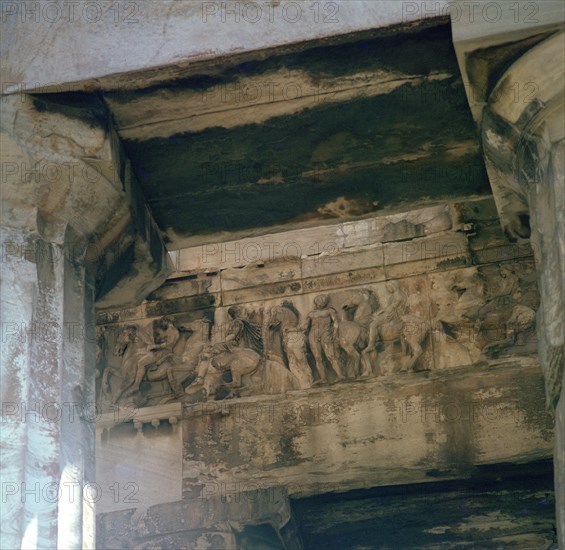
483 312
445 319
300 323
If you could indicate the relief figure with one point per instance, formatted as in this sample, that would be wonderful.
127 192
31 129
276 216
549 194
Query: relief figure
240 353
242 332
322 325
353 334
504 317
178 356
102 371
171 354
393 324
166 336
285 318
132 346
208 377
216 360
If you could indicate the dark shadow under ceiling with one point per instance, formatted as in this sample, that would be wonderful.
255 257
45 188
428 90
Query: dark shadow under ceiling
333 132
504 506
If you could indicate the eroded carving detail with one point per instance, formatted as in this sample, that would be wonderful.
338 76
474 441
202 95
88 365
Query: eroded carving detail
286 319
393 324
322 327
472 314
353 333
402 231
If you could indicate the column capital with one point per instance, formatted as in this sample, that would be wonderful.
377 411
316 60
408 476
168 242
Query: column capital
63 167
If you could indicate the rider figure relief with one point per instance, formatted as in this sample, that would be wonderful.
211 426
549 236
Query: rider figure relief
393 324
392 312
166 337
242 332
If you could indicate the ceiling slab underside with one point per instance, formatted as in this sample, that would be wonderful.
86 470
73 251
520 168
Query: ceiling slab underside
332 132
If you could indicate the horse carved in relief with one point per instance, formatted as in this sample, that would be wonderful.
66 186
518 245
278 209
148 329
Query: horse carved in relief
353 335
393 324
216 360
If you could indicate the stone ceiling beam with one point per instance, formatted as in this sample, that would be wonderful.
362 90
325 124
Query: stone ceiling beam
331 132
252 100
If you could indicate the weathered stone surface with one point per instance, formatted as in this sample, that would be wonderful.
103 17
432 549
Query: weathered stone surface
18 308
64 209
426 254
250 100
166 307
508 507
345 279
463 334
138 262
157 34
220 517
254 275
404 136
340 262
138 461
483 47
405 430
323 242
45 157
61 166
279 290
421 311
522 123
481 312
274 334
47 391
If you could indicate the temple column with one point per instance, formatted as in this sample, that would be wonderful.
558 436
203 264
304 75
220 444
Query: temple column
522 122
17 297
46 391
74 228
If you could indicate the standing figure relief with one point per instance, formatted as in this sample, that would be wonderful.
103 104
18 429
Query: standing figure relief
275 346
285 318
322 325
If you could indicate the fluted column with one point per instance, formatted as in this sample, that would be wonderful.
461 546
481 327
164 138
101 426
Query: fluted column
74 227
523 137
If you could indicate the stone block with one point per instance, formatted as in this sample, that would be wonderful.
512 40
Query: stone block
138 461
410 429
426 254
343 261
255 275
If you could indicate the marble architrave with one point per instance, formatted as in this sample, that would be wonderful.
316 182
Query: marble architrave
446 299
